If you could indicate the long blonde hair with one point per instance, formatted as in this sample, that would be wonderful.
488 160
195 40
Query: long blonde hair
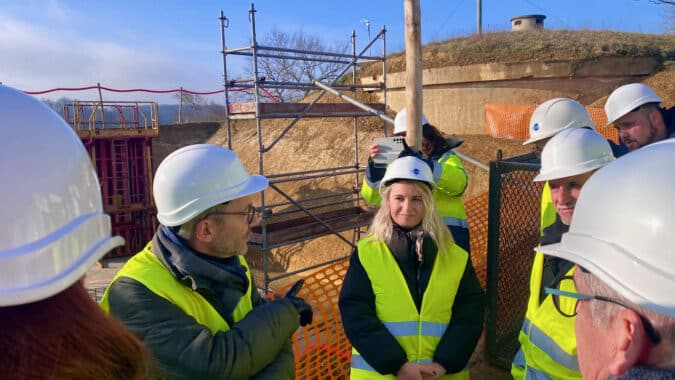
382 226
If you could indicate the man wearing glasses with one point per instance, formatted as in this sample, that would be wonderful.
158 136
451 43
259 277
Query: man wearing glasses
189 295
621 240
548 348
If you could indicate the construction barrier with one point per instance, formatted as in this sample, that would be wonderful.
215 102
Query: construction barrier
477 216
511 121
513 232
322 350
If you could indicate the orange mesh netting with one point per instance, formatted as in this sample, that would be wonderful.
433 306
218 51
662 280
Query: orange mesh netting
511 121
477 215
322 350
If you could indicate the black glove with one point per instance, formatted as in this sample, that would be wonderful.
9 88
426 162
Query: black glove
301 306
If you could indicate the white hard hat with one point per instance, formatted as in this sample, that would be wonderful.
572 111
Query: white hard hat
555 115
53 228
401 121
572 152
626 98
197 177
622 229
410 168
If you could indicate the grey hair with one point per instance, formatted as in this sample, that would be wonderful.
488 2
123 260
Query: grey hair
602 312
382 226
187 229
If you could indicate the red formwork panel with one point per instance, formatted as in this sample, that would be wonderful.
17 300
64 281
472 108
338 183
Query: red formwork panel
137 229
124 169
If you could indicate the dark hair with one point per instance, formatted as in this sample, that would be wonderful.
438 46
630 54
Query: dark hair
435 137
67 336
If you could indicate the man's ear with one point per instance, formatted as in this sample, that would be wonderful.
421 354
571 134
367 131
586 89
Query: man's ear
204 231
630 341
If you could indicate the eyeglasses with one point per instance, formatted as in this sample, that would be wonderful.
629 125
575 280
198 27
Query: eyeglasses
568 309
250 213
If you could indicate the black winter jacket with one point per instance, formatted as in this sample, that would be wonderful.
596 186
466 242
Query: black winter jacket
374 342
256 347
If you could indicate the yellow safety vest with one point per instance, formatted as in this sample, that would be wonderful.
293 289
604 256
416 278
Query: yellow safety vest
146 268
418 333
548 347
451 208
548 213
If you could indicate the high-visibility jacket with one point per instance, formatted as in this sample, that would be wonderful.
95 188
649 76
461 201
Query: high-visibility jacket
451 180
548 213
418 333
146 268
548 347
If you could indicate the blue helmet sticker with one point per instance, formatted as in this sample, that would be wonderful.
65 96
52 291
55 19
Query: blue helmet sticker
535 126
416 171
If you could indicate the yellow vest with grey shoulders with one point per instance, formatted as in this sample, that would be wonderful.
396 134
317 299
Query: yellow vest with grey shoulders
418 333
450 207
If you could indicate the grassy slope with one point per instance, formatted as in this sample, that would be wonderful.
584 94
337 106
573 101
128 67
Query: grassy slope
543 45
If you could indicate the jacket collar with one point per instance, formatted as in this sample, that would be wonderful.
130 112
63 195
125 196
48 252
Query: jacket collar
194 269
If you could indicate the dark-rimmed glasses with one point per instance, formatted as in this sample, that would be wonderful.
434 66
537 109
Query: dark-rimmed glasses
250 213
556 293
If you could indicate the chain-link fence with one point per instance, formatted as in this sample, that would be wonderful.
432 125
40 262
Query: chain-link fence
513 232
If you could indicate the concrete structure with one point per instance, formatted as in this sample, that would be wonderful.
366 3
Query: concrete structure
454 96
527 22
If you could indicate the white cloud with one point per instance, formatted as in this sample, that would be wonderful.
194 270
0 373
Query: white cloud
35 58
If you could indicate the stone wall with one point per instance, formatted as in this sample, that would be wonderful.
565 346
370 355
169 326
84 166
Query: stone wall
454 96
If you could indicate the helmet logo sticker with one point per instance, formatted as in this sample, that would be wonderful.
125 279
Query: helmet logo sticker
416 171
535 126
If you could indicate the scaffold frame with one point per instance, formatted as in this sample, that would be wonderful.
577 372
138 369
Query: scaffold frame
309 218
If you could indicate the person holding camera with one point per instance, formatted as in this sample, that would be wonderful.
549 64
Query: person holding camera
189 295
448 173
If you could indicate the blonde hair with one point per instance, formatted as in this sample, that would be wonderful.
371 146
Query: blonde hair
382 227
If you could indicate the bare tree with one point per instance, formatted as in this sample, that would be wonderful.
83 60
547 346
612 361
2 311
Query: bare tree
303 70
197 108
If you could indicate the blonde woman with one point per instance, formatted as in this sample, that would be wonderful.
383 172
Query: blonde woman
411 304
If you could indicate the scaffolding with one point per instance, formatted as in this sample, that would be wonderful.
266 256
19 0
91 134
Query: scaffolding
309 217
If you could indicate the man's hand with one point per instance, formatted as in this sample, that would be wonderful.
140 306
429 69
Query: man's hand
301 306
431 371
409 371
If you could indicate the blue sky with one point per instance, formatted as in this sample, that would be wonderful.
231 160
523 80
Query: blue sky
168 44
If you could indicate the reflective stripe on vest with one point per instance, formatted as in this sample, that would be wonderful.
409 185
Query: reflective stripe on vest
417 333
146 268
547 339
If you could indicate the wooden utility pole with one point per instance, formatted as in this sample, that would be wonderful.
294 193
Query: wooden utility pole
413 70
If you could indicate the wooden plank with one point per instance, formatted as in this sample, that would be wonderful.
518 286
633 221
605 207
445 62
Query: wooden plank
318 109
308 228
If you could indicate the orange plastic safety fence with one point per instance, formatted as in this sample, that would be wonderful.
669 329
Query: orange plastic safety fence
511 121
322 350
477 215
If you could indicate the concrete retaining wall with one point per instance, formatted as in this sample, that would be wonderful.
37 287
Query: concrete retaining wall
454 96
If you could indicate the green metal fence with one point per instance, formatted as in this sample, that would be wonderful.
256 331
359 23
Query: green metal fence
513 231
